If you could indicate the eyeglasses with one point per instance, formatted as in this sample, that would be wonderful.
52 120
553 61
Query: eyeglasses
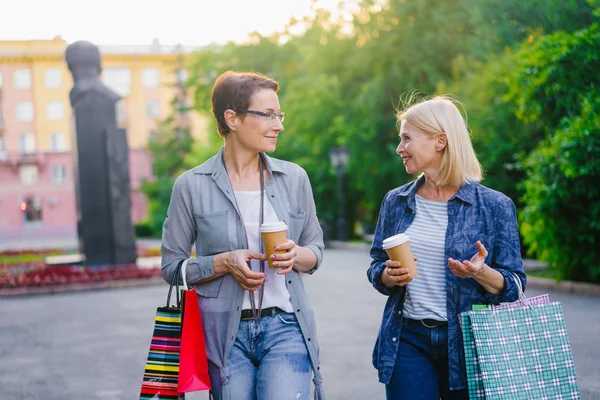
270 115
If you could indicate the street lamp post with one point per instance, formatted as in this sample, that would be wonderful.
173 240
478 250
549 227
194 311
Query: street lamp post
339 157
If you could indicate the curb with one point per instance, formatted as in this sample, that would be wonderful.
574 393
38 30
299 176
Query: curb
582 288
80 287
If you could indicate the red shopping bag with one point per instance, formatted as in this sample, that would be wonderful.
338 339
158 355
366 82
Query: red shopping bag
193 364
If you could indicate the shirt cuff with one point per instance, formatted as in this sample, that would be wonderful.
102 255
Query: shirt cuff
199 268
510 292
318 253
378 284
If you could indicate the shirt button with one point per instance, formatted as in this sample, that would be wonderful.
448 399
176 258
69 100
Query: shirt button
393 339
399 312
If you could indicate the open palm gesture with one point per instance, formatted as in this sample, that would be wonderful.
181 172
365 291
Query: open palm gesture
472 268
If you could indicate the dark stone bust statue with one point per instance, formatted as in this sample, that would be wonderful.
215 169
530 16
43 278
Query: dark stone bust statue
83 59
101 162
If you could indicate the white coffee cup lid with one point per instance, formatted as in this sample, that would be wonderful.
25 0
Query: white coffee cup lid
273 226
395 240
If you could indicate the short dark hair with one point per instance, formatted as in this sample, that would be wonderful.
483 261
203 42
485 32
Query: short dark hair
233 90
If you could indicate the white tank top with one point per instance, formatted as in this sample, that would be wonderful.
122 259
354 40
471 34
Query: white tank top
275 291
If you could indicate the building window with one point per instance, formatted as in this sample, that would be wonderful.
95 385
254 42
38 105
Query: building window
118 79
32 209
25 111
150 77
27 143
1 143
59 173
54 110
153 108
58 142
23 79
52 77
29 174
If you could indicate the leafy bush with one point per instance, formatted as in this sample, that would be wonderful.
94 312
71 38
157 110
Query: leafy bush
561 220
144 229
554 87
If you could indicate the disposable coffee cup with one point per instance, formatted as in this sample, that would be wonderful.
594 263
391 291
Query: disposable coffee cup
273 233
398 249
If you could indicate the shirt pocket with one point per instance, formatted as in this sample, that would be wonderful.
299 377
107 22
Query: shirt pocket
463 246
296 224
213 233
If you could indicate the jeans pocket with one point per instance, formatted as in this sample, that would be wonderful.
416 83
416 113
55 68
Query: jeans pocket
288 318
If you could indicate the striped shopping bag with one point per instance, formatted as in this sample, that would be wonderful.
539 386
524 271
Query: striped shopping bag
162 367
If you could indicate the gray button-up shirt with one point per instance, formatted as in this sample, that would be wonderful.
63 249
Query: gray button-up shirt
203 211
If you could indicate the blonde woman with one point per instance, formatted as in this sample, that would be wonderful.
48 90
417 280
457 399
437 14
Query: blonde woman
466 241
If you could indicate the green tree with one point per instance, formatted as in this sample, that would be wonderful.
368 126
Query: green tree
554 87
341 80
561 218
169 146
501 31
498 24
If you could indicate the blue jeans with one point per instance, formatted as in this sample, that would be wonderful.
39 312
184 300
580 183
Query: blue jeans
421 369
269 361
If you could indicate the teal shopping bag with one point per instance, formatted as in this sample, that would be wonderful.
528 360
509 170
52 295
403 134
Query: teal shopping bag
523 352
474 380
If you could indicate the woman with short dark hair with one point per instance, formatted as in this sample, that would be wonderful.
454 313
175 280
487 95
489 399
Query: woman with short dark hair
259 327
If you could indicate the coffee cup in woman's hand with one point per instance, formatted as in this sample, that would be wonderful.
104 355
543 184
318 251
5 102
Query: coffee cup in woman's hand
398 249
396 275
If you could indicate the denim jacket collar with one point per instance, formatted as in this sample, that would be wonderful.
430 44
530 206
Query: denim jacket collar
466 193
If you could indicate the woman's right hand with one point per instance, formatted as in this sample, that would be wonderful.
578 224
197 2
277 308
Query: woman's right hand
395 275
236 263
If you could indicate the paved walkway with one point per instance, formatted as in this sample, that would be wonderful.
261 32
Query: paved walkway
93 345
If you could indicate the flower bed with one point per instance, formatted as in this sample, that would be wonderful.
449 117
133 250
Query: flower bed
25 269
63 275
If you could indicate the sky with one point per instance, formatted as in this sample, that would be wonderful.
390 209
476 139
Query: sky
138 22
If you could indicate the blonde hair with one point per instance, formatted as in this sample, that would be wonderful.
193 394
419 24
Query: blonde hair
440 115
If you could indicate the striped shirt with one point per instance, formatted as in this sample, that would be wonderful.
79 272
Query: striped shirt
426 294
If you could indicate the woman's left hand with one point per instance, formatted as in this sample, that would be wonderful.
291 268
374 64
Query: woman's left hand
470 269
285 261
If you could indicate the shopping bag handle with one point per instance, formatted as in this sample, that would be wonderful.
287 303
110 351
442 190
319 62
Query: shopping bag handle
174 281
183 272
519 285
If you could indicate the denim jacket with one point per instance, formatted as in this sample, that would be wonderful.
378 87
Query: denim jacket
474 213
